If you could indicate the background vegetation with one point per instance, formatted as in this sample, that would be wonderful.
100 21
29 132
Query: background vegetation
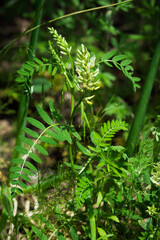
121 197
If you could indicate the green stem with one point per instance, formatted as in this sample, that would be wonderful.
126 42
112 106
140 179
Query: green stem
75 108
142 106
92 219
72 106
24 98
72 110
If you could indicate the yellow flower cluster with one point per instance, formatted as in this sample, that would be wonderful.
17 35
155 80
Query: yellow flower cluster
85 68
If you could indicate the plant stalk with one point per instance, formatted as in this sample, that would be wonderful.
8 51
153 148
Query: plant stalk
92 219
143 103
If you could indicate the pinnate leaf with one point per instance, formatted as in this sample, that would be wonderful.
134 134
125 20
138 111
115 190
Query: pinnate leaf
25 177
57 117
15 169
66 134
60 134
16 189
21 79
26 140
41 149
35 157
31 132
28 68
23 72
119 58
48 140
14 175
31 166
44 116
32 64
108 55
38 61
84 150
28 172
53 135
74 132
35 123
17 161
125 63
21 149
22 184
95 137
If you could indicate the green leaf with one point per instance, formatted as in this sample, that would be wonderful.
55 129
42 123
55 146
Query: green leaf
44 116
94 149
57 117
74 132
119 58
39 234
54 71
38 61
14 175
35 123
25 177
129 70
31 166
95 137
114 218
23 73
146 223
15 169
108 64
28 172
22 184
73 233
125 63
28 68
49 68
26 140
61 136
32 64
101 232
84 150
21 79
108 55
53 135
67 135
99 198
21 149
43 68
48 140
35 157
7 202
78 167
14 182
41 149
3 220
17 161
31 132
116 65
18 190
